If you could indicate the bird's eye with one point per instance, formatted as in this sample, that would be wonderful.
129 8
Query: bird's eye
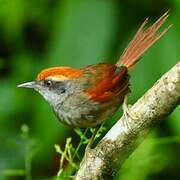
48 83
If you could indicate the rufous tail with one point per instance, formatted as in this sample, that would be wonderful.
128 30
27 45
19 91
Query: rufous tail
143 39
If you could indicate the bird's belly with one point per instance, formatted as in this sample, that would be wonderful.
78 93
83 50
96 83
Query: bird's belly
78 117
86 113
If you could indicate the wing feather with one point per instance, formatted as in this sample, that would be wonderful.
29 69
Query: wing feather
114 82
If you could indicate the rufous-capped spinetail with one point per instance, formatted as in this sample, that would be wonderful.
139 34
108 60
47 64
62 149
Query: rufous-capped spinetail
86 97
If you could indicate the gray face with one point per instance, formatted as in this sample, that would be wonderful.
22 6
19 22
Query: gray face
54 92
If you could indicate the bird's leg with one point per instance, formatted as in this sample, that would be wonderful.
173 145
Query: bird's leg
83 136
125 105
125 108
91 140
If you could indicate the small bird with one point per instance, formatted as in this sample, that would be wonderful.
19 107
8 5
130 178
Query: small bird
86 97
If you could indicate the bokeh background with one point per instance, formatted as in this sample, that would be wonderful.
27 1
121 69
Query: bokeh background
39 34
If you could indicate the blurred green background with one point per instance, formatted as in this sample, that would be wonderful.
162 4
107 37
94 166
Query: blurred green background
39 34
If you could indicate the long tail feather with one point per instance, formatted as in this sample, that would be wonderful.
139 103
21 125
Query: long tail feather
143 39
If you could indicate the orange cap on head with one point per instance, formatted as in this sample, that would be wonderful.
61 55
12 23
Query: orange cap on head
58 73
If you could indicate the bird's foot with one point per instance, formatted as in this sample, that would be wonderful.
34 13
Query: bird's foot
127 113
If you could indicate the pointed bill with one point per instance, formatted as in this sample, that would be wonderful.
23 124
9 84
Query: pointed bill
31 84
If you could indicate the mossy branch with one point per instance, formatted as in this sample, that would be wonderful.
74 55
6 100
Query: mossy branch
105 159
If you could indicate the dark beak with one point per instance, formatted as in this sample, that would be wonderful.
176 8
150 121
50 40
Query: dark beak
31 84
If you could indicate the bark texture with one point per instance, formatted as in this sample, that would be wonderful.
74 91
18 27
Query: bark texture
105 159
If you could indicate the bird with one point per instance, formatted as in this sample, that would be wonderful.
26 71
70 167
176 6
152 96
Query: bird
86 97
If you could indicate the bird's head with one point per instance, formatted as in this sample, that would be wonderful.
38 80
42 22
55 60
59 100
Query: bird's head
54 84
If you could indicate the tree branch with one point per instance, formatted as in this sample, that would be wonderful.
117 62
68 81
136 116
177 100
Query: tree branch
105 159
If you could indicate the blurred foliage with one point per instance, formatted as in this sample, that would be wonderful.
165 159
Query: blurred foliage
39 34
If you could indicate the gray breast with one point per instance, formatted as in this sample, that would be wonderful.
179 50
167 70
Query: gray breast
76 110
